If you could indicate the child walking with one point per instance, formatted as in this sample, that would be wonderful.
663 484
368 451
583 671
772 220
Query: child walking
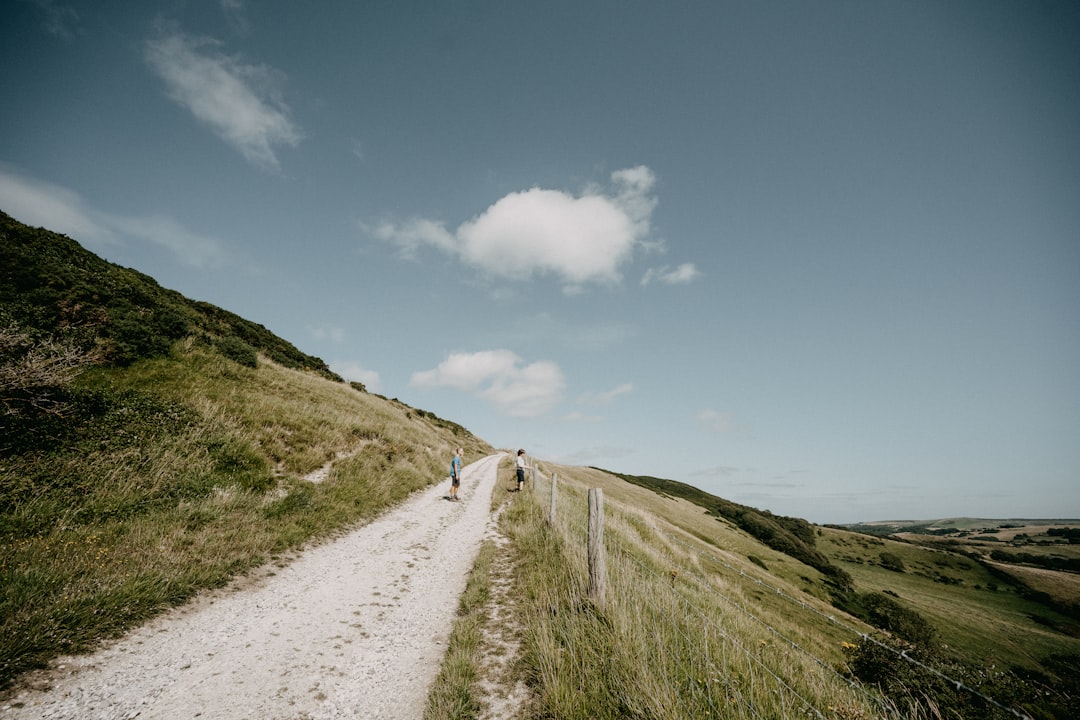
520 469
455 473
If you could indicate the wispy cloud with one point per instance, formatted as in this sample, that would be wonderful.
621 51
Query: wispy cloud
579 239
595 454
236 16
607 397
501 378
716 422
57 19
240 102
43 204
576 416
354 371
332 333
716 471
682 275
357 149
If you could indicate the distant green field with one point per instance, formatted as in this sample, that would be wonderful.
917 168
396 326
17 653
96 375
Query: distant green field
976 611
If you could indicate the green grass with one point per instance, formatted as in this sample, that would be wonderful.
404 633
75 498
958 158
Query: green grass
663 645
975 612
176 474
688 631
179 473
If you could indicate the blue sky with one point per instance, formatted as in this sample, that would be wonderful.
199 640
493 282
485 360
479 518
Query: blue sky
821 258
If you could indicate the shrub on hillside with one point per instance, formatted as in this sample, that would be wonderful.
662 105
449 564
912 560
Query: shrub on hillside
34 371
238 351
891 561
888 614
957 690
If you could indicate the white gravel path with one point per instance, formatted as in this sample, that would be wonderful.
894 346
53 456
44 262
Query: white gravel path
354 628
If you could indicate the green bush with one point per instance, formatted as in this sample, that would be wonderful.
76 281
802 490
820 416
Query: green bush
238 351
883 612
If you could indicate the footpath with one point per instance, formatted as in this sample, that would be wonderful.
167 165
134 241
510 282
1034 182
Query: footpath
353 628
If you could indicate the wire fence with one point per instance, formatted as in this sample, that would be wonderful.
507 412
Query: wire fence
688 613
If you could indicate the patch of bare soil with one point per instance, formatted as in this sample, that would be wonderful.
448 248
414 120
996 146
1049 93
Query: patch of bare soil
505 696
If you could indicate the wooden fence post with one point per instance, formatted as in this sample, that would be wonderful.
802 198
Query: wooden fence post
554 493
597 560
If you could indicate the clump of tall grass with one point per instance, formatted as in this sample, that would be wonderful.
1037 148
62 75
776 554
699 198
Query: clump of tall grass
176 474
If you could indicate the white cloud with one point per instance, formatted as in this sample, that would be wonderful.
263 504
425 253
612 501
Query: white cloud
332 333
577 416
50 206
716 422
239 102
578 239
415 234
501 378
193 249
58 209
606 398
681 275
355 371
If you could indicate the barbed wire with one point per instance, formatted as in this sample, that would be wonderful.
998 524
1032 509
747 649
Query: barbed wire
902 654
959 685
689 604
753 659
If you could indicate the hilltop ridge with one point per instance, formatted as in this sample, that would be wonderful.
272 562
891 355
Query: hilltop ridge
50 284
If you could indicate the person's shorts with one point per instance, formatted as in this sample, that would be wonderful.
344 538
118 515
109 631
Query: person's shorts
521 475
455 480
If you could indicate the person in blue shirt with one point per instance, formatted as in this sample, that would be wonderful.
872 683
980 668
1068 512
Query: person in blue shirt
455 473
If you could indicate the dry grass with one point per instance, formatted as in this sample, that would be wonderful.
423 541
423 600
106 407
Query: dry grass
674 639
192 474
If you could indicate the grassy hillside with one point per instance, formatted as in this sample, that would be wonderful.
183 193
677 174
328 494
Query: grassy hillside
685 631
152 446
52 286
961 611
177 454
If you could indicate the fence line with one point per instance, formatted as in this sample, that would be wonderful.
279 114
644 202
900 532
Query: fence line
902 654
724 634
706 585
698 666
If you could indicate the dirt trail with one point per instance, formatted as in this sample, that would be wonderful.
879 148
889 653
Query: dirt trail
354 628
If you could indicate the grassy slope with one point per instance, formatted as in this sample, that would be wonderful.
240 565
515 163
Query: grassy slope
960 596
974 611
178 460
181 464
683 633
642 654
189 473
